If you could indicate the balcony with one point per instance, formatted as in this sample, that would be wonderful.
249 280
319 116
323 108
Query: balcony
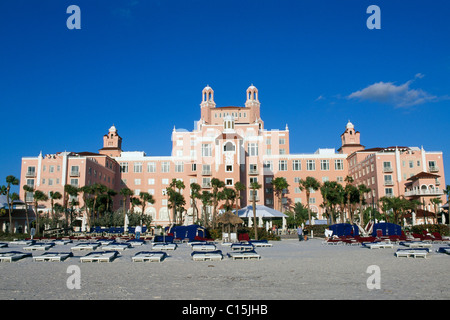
388 169
206 172
433 169
74 173
253 171
424 192
206 185
388 182
30 174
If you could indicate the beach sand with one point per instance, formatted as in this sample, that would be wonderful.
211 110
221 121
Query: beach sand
290 270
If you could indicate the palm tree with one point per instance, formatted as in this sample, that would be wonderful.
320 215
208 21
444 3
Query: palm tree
239 187
206 199
279 185
38 196
10 180
195 194
87 192
255 186
125 193
54 196
216 184
110 194
363 189
69 191
28 189
98 189
145 198
436 202
447 192
309 184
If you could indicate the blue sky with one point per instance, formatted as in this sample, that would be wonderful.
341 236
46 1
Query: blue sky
142 64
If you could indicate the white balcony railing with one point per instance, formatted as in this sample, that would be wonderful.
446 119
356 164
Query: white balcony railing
30 174
387 169
74 173
433 169
428 192
388 182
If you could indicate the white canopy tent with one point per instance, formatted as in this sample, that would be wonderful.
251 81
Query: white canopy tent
261 212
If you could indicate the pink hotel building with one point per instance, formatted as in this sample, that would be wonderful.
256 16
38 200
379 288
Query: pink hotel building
232 144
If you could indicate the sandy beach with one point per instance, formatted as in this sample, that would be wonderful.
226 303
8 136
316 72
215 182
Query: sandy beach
290 270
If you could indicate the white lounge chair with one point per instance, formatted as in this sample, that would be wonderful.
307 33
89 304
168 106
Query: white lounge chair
13 256
149 256
38 246
412 253
207 255
23 242
62 242
164 246
416 244
244 255
136 242
53 256
116 246
242 246
378 245
260 243
102 256
203 247
85 246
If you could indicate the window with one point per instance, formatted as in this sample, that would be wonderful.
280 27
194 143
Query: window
31 171
74 182
206 150
229 147
151 167
312 200
268 141
253 192
325 179
296 165
151 181
253 179
325 165
387 166
338 164
389 192
179 167
282 165
339 179
252 149
30 183
388 179
253 168
282 151
124 167
310 165
165 181
137 182
138 167
268 165
229 168
206 182
50 182
297 190
229 182
165 166
281 141
206 169
51 169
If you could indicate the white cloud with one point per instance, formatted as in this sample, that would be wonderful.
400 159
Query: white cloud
397 95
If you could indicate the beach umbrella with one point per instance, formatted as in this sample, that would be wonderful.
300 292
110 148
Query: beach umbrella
229 219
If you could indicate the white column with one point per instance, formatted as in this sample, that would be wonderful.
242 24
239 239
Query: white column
39 168
424 161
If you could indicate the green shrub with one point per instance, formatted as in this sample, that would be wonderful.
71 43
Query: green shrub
443 229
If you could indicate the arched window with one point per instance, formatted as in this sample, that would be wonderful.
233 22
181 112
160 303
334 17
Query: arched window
229 147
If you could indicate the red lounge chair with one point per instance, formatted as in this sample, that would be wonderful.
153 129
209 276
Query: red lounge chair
243 237
436 236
